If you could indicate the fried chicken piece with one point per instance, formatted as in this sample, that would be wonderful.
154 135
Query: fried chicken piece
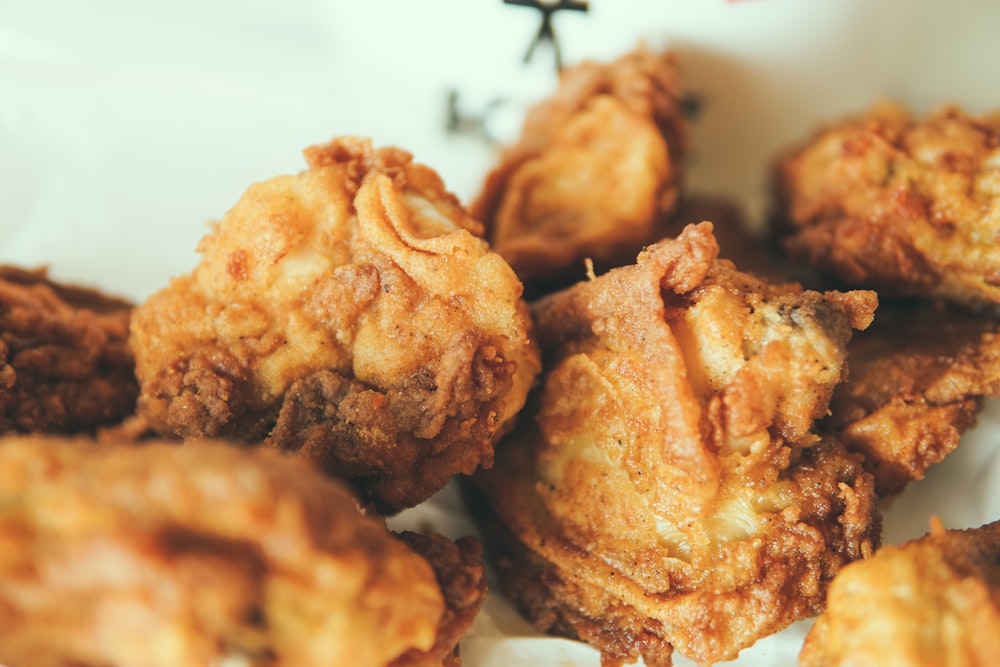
349 313
750 250
208 554
931 601
903 205
596 169
919 377
459 570
65 366
671 492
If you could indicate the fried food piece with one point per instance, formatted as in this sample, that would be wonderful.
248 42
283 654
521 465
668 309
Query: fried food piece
209 554
930 601
902 205
459 570
919 377
750 250
65 366
671 492
349 313
595 170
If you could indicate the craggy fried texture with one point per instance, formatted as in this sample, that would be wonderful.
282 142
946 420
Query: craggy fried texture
350 314
595 170
931 601
899 204
208 554
918 379
671 492
459 570
65 366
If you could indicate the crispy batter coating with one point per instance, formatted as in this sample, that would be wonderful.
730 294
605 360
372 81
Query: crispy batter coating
931 601
595 170
349 313
903 205
919 376
209 554
672 492
65 365
459 570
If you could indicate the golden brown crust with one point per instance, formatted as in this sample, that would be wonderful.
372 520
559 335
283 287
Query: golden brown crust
162 554
754 589
672 492
903 205
65 366
931 601
919 376
595 171
349 313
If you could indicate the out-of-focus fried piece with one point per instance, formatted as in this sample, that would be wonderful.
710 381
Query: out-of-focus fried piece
349 313
595 170
903 205
918 378
672 493
751 251
459 569
65 366
208 554
932 601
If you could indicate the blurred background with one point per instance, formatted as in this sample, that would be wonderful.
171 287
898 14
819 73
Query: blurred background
127 126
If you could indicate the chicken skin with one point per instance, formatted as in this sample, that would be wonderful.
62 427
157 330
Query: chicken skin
919 378
595 172
116 555
350 313
672 492
903 205
65 365
931 601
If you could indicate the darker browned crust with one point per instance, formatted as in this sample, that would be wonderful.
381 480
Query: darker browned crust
348 428
459 569
918 379
324 417
898 204
206 394
65 366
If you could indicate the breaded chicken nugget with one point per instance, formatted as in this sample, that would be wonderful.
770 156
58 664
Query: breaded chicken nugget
672 492
349 313
919 377
207 554
65 365
595 170
903 205
931 601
